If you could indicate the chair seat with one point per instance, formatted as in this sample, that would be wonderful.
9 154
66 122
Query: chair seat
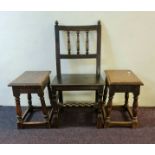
78 80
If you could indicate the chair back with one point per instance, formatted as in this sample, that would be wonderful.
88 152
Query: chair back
87 55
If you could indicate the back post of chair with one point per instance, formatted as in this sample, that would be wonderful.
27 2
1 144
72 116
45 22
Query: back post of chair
78 55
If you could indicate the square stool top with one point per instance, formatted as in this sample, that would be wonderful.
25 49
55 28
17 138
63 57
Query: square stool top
31 78
122 77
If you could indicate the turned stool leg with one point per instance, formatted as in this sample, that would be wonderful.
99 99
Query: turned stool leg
126 100
18 111
135 109
109 108
43 107
29 97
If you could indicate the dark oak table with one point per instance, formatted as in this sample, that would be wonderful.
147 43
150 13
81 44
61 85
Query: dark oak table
122 81
32 82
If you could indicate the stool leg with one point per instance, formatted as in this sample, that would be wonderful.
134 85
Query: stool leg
18 110
43 107
100 121
29 97
126 99
135 109
109 108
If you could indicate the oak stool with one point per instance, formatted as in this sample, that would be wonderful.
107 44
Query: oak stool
31 82
122 81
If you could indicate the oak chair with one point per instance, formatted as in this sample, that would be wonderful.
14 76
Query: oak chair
77 82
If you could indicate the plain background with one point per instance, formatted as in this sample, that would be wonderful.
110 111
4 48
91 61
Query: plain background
76 5
27 43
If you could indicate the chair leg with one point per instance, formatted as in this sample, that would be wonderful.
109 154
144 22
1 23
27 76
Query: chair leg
61 97
49 92
105 93
55 117
96 96
100 117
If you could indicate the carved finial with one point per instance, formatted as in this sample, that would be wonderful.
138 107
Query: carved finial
56 22
99 22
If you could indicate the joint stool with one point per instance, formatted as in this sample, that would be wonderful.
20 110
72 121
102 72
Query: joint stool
122 81
32 82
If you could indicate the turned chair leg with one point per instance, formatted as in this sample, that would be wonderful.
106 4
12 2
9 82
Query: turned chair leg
96 96
49 92
55 117
60 97
100 115
105 93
